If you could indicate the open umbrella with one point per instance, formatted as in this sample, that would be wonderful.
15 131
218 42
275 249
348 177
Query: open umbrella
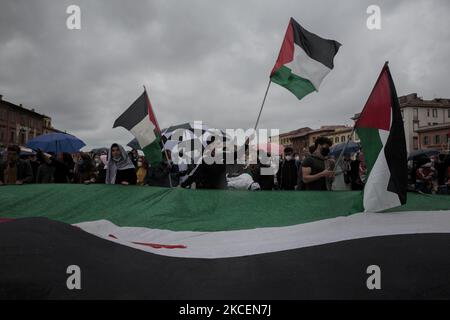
56 142
349 149
425 153
134 144
27 151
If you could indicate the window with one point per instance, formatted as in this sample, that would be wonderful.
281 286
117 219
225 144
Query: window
12 137
428 112
415 114
435 113
425 140
336 140
342 138
437 139
415 143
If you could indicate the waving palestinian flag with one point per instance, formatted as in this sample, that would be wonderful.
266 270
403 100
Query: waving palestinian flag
140 120
380 128
304 60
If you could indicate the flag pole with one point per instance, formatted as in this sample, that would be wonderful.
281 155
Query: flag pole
262 105
159 131
343 150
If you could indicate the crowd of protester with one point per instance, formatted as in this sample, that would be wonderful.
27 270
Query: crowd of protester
316 170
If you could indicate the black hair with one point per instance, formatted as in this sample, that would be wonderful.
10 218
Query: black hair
14 147
288 149
323 140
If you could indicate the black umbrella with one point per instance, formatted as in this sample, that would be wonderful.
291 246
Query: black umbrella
134 144
420 154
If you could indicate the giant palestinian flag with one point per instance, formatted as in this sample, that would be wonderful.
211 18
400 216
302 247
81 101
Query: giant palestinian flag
157 243
380 128
304 60
140 120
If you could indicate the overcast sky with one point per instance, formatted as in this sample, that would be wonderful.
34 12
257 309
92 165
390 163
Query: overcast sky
210 60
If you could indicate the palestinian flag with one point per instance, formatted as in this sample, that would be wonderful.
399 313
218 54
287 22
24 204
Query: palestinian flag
156 243
380 128
304 60
140 120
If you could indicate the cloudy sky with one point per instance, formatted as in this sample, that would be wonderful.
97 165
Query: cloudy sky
210 60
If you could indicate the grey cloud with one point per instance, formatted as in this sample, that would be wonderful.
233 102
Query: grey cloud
209 60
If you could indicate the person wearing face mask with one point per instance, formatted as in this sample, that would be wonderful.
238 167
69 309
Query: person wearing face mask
141 172
120 169
314 170
287 172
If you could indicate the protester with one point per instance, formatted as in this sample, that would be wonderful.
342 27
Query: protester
62 172
288 171
330 164
15 170
120 168
141 172
265 181
34 163
441 169
355 178
424 178
46 171
314 170
134 156
164 174
342 180
101 168
70 164
85 170
208 176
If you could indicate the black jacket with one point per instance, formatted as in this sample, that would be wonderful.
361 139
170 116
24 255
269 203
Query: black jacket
207 176
287 175
24 171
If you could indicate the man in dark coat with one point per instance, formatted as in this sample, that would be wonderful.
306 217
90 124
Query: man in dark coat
287 171
15 170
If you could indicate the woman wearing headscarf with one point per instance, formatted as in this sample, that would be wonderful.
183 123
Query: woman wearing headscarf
120 168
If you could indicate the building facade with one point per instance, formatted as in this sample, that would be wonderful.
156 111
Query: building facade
434 137
421 114
342 135
302 138
19 124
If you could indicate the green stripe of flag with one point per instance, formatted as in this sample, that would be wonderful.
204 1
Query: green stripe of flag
298 86
189 210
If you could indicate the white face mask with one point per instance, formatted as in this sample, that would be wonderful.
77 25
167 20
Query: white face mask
139 164
297 158
288 158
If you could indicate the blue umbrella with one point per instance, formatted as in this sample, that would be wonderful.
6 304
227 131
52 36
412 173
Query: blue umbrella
56 142
350 148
